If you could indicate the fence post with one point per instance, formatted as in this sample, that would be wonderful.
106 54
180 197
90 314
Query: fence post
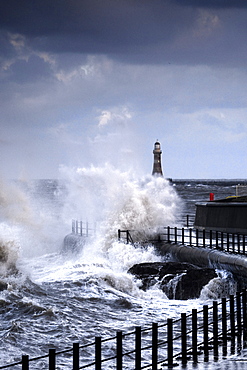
197 236
154 345
52 359
168 234
73 226
138 348
187 220
244 307
211 238
215 330
75 356
228 242
119 235
182 235
204 237
25 362
232 323
97 353
119 350
239 326
175 234
183 338
81 228
170 342
194 335
224 326
222 240
190 231
233 242
244 244
239 244
205 332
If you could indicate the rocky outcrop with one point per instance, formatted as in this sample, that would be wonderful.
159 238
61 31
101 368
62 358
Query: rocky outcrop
178 280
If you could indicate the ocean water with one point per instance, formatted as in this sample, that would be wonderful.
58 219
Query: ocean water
52 298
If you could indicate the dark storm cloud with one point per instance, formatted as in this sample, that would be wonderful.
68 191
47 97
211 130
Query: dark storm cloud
223 4
140 31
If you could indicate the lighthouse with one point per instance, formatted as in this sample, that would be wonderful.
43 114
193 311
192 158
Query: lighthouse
157 169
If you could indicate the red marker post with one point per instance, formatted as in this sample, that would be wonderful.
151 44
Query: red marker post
211 196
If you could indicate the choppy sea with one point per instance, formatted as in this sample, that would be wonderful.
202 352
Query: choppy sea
54 298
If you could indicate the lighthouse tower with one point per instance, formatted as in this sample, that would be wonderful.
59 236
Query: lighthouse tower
157 169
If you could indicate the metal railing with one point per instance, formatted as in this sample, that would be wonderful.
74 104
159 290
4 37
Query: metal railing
226 242
83 228
209 334
222 241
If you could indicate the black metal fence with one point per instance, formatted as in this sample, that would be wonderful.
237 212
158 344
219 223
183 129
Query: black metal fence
83 228
209 334
226 242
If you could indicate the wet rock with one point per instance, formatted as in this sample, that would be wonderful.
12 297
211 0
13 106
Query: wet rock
3 286
178 280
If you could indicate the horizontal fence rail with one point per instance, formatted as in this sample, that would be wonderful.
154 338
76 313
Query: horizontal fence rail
204 335
226 242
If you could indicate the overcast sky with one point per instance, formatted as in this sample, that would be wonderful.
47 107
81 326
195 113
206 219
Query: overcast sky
84 82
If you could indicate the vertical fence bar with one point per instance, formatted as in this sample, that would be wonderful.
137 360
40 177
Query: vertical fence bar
224 326
239 244
205 333
97 353
233 242
138 348
168 234
76 356
194 335
182 235
215 330
239 326
52 359
170 342
175 234
190 236
87 232
73 226
222 240
244 244
119 350
187 220
81 228
197 237
204 238
238 304
244 307
184 338
154 346
25 362
119 234
232 323
227 242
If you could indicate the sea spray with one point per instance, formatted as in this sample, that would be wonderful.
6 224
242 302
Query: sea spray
119 200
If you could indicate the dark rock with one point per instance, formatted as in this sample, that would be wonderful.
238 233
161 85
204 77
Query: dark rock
177 280
3 286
